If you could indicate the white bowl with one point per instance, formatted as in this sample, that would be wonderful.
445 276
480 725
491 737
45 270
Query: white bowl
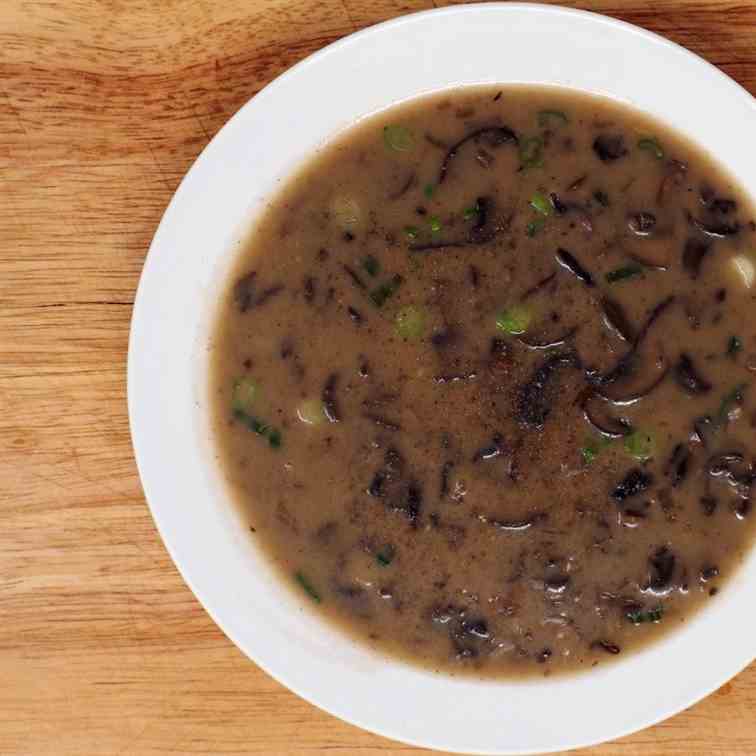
168 393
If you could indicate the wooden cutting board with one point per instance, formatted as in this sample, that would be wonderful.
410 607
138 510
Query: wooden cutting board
104 104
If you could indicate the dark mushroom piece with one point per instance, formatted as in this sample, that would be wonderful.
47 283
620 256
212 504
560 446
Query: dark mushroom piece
559 207
678 465
634 483
244 291
642 224
246 296
444 337
708 505
557 584
717 229
661 565
441 244
569 261
492 136
611 427
616 318
625 365
601 197
693 255
714 204
610 648
514 526
533 405
636 396
732 468
609 147
688 377
355 315
446 469
490 451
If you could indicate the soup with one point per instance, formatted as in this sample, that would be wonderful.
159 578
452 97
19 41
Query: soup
482 380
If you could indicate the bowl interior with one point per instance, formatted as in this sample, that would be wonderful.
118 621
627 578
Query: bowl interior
178 292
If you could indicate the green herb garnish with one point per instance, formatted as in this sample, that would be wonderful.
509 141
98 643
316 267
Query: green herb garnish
428 190
639 616
729 401
371 266
410 323
514 320
398 138
245 391
640 444
412 232
435 223
651 145
471 212
540 203
534 227
386 555
552 118
381 293
734 345
593 447
307 587
622 274
531 152
268 432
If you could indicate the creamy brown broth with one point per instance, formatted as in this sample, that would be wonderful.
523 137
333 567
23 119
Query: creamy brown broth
483 380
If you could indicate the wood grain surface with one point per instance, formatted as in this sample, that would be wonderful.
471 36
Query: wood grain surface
104 104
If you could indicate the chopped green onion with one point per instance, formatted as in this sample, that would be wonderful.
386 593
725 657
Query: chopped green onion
638 616
246 390
729 401
552 117
412 232
428 190
410 323
307 586
640 444
531 152
593 447
734 345
514 320
381 293
621 274
272 435
534 227
588 453
310 412
471 212
385 556
398 138
540 203
651 145
435 223
371 266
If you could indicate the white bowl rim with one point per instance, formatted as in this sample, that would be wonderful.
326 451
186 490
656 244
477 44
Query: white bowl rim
167 378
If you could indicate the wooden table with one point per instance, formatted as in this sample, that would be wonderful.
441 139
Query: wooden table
104 104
